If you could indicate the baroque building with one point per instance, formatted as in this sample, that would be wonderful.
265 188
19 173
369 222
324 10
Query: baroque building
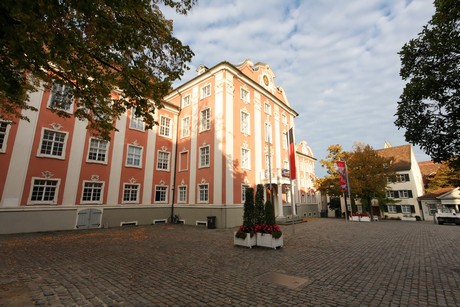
219 133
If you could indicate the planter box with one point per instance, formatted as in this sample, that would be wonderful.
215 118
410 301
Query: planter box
409 219
354 218
365 219
266 240
248 242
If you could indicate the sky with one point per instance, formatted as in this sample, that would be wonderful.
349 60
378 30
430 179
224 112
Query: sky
337 60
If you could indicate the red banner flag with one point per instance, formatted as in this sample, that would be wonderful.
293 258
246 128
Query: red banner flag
342 174
291 154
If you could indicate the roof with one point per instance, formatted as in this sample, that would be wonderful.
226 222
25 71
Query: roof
436 193
429 168
401 156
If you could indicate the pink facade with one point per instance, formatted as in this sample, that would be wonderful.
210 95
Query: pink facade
216 136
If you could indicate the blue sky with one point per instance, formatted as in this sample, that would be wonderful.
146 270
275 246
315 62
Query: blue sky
336 60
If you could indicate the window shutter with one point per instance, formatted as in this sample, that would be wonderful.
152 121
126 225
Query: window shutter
406 176
412 209
398 209
385 208
409 193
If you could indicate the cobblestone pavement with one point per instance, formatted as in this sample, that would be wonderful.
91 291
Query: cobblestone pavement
324 262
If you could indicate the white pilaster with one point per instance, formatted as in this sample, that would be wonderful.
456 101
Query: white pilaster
117 161
218 136
20 157
193 146
229 152
150 165
257 130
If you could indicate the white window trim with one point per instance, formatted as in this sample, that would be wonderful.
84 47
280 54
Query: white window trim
180 161
158 159
182 134
199 157
203 94
48 105
183 100
136 120
166 194
198 194
137 195
248 132
246 98
88 160
243 192
62 157
284 119
404 209
403 193
208 121
100 201
179 201
56 194
170 127
268 136
248 167
393 209
5 139
127 153
267 108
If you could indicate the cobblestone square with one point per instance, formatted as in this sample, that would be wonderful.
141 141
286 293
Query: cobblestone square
330 262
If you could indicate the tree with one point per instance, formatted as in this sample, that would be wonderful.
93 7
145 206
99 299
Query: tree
93 48
259 215
330 184
445 177
248 209
368 175
269 213
429 107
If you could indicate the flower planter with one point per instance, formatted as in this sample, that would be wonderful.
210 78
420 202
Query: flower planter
354 218
408 219
266 240
365 219
247 242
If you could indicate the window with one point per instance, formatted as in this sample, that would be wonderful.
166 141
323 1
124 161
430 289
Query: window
286 141
4 129
160 194
284 119
392 209
60 98
243 192
136 122
185 125
405 194
131 193
205 91
205 156
52 144
245 123
183 161
432 209
203 193
402 177
44 191
134 156
163 160
244 95
97 150
92 192
186 101
165 126
406 209
267 108
182 194
245 158
392 194
205 120
268 133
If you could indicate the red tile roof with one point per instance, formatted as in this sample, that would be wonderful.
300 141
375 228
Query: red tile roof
401 156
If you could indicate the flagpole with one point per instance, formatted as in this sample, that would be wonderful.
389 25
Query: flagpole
348 188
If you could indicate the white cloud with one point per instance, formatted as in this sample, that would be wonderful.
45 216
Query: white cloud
336 60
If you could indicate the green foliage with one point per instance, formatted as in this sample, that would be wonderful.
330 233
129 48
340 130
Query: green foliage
248 214
429 107
259 215
334 203
93 47
269 213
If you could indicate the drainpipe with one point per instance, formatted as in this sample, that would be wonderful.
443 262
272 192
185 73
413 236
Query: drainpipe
173 188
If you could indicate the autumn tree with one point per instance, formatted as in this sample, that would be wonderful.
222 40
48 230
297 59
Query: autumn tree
445 177
92 47
429 107
330 183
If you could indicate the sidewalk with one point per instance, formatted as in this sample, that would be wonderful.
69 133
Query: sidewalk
325 262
